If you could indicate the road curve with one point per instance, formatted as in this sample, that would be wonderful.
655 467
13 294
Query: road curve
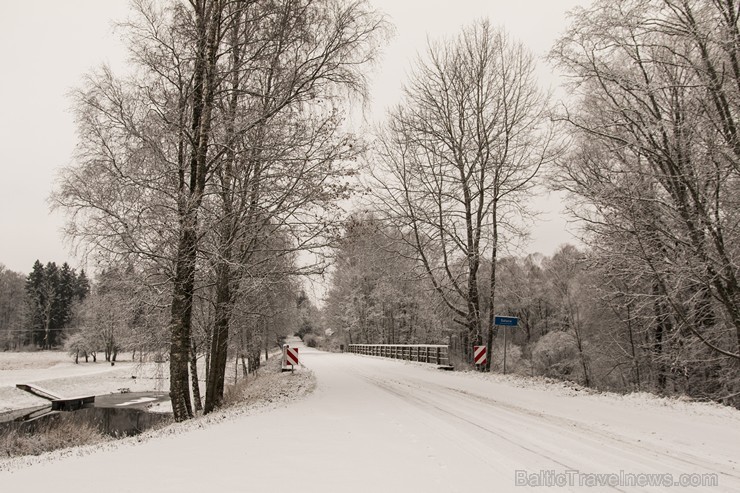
376 425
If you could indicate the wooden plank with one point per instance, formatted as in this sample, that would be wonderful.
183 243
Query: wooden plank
38 391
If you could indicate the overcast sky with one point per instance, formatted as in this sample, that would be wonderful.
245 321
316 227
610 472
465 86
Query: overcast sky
46 46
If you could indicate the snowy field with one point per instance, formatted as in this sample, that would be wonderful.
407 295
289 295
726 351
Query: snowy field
376 425
56 371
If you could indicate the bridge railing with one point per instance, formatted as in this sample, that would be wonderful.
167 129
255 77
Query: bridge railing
424 353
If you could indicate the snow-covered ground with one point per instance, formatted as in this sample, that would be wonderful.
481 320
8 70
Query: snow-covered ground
375 425
56 371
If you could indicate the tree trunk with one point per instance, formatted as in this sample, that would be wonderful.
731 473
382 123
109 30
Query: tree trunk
582 357
245 370
635 360
218 357
219 341
208 20
662 329
181 312
492 331
473 296
194 376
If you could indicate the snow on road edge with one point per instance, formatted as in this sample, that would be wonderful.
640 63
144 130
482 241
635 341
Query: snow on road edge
571 389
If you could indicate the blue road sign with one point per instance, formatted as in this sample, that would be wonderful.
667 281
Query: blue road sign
511 321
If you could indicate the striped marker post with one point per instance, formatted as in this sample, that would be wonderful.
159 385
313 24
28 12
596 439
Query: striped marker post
291 356
480 355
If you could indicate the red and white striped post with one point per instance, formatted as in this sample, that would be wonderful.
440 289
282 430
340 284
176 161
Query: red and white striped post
290 357
480 355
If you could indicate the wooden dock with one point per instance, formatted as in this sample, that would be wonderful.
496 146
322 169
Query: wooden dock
59 403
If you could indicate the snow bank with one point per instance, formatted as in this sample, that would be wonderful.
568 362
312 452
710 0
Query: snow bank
269 390
564 388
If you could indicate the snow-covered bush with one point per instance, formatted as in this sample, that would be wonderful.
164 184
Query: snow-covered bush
556 355
514 361
79 345
310 340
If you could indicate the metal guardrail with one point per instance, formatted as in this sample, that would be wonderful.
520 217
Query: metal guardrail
425 353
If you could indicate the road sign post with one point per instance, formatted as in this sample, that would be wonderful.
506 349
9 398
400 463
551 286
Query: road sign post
505 322
505 331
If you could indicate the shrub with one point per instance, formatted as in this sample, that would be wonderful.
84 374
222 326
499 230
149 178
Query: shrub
556 355
514 361
51 435
310 340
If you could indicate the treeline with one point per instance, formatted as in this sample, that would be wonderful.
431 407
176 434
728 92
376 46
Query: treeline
52 294
14 309
377 294
653 172
35 310
647 149
573 324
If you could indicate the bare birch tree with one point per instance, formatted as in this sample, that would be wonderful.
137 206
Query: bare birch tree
229 129
457 156
285 154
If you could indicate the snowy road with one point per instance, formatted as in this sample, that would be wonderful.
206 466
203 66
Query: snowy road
375 425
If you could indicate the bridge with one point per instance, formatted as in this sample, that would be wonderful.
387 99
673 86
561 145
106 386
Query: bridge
437 354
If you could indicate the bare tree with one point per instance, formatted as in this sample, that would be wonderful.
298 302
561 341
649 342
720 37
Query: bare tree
285 155
456 157
567 284
141 159
642 121
654 164
230 131
375 295
12 302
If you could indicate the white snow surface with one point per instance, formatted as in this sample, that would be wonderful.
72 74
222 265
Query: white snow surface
378 425
56 372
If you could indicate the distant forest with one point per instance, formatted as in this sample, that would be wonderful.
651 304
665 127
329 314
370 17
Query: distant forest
36 309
